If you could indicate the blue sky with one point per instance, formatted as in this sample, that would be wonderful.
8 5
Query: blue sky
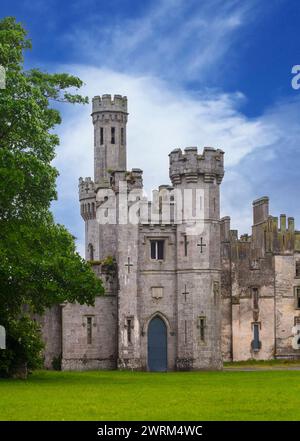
196 73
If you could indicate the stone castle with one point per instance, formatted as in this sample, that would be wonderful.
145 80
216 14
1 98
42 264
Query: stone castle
175 298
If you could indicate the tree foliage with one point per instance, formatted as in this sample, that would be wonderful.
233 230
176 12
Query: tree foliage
39 266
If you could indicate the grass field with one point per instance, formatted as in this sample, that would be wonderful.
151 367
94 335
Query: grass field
114 395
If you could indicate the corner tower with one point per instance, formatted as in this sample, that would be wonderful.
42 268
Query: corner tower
109 119
197 178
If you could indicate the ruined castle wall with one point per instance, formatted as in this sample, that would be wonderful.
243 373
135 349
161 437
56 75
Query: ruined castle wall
51 334
226 303
286 304
247 275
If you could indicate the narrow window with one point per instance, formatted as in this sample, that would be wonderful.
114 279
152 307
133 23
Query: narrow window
255 342
122 136
202 326
160 249
91 251
89 325
255 298
129 327
157 249
298 269
101 136
296 321
113 139
297 297
185 245
265 240
160 204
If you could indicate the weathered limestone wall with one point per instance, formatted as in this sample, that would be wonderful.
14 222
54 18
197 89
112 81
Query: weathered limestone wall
102 352
285 304
52 334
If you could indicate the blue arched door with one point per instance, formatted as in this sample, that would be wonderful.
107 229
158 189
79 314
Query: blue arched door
157 345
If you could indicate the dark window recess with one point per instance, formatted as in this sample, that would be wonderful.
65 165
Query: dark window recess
296 321
157 249
265 240
122 136
185 245
101 136
129 335
91 251
113 135
298 269
89 324
256 344
202 326
160 203
255 298
298 297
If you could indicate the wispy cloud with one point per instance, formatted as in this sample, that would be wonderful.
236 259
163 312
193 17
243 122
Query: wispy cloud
162 118
173 39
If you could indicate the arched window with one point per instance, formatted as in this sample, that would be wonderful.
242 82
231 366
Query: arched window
90 252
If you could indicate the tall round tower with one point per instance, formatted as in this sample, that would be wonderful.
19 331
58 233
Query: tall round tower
197 177
109 119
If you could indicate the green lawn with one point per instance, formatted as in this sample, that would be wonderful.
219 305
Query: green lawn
114 395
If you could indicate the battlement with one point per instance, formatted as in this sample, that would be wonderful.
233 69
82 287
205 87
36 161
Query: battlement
281 225
209 164
108 104
260 210
86 188
225 228
133 178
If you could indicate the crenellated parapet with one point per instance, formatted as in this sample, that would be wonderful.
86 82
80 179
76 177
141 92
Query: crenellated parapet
191 165
87 198
108 104
280 237
133 179
86 188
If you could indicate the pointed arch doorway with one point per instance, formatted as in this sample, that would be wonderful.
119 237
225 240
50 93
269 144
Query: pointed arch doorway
157 345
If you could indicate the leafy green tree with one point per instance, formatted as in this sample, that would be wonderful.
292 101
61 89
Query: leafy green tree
39 266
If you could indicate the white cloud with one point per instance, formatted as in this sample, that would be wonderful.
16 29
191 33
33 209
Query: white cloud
162 118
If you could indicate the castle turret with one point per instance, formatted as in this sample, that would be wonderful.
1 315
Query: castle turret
109 119
87 198
197 177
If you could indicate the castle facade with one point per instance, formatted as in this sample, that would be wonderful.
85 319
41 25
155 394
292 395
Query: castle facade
181 292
